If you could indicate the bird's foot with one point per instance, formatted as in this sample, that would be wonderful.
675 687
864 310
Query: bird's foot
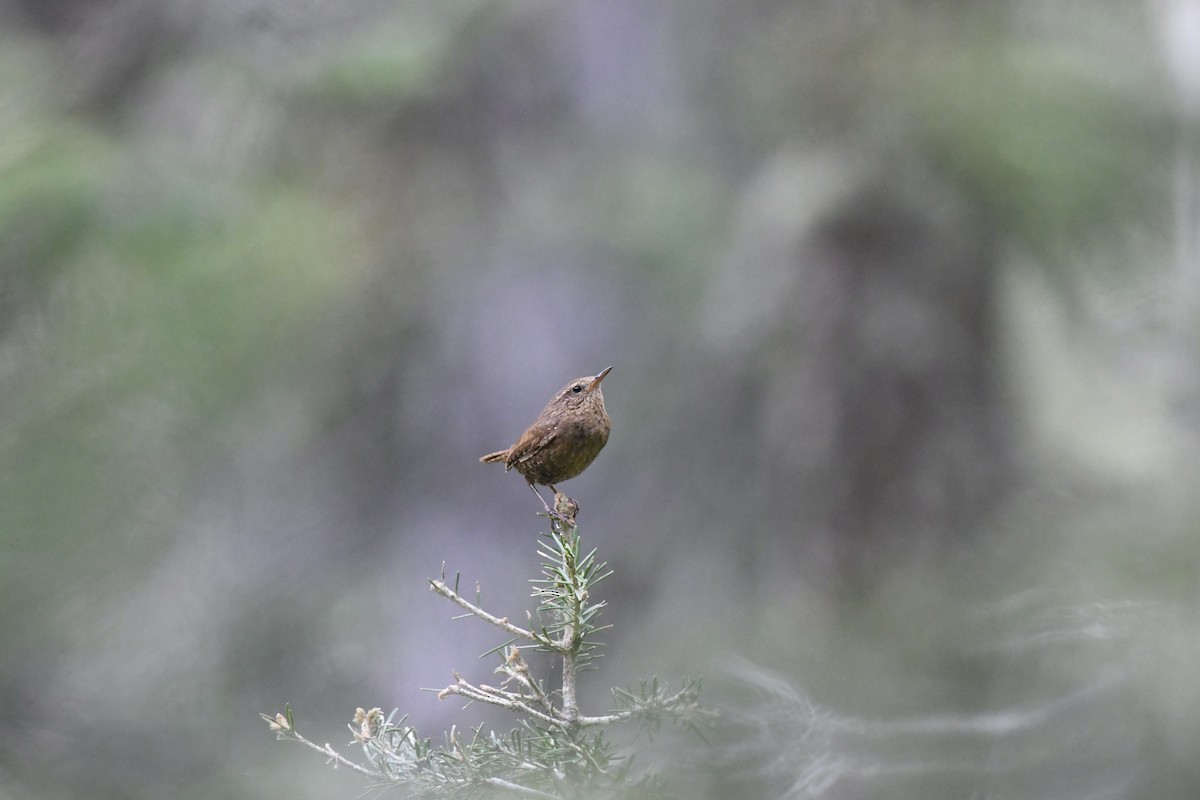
565 508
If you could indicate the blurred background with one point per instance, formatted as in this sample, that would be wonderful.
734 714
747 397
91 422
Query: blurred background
901 299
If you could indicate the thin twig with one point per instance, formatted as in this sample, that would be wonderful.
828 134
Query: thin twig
500 622
519 789
334 755
655 705
606 719
518 696
535 692
475 693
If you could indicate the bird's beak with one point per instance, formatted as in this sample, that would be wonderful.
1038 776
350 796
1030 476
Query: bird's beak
596 380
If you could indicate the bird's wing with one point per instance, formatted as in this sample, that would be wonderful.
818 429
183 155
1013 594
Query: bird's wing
530 444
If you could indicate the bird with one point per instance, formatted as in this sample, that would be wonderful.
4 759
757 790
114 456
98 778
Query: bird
564 439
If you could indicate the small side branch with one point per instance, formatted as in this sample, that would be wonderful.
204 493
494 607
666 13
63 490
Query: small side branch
497 697
500 622
683 703
517 788
286 732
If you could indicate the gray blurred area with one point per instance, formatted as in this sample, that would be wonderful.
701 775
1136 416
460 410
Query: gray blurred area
901 299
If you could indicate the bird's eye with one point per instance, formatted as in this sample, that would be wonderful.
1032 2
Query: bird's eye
577 388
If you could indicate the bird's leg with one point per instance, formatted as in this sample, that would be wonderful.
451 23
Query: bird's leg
545 505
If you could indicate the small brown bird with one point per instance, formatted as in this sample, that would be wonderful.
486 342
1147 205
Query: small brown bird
564 439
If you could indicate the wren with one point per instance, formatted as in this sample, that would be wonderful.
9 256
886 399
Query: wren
564 439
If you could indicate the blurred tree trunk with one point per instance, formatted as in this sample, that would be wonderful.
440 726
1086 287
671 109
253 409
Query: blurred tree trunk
875 404
917 453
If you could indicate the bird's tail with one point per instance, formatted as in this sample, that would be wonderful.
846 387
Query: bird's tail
499 455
